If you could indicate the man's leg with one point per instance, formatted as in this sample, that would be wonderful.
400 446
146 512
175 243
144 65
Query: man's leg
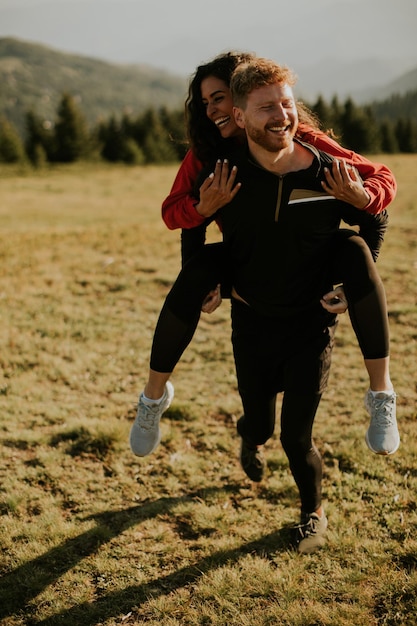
297 418
255 356
307 372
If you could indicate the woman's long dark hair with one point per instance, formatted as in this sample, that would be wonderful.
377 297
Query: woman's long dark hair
204 138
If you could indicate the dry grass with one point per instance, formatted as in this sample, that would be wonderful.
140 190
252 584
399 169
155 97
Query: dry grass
92 535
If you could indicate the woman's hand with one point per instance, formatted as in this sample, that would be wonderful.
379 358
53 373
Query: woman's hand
218 189
212 301
335 301
344 183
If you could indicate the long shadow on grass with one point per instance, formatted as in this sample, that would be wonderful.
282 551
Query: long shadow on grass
27 581
118 603
24 583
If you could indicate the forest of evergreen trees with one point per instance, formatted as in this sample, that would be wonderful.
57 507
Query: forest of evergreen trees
157 136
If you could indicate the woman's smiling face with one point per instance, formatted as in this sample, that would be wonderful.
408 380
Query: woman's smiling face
217 99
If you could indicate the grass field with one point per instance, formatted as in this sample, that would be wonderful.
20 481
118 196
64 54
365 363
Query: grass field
90 534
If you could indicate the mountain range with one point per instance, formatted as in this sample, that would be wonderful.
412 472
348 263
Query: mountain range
34 77
344 47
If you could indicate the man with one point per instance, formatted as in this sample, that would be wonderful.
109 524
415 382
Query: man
279 230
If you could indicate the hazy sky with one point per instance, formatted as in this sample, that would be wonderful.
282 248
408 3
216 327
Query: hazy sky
178 34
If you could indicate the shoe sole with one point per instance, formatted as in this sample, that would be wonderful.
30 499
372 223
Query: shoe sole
381 452
314 548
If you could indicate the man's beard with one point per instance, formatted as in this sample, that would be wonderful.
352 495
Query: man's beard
268 141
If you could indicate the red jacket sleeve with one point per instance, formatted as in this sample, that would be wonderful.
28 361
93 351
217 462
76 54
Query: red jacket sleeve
378 180
178 210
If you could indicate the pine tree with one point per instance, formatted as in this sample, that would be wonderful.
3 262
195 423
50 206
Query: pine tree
117 144
110 138
11 146
323 112
406 134
71 134
336 115
153 139
358 128
174 125
39 139
389 143
132 154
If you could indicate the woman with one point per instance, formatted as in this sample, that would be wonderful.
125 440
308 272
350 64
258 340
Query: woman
213 135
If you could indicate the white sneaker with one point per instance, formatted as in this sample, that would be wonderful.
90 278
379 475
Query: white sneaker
145 433
382 436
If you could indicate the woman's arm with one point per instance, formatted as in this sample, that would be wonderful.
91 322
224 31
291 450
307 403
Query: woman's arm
378 180
193 198
372 228
178 208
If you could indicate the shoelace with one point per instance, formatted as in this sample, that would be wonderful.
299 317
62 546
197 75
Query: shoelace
382 410
307 528
148 415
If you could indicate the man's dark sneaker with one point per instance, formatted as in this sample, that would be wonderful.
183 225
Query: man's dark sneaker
310 533
252 461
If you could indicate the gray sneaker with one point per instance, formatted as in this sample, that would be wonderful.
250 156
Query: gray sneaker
382 436
145 433
310 533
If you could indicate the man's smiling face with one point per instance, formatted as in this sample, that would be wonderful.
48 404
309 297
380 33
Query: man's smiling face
270 117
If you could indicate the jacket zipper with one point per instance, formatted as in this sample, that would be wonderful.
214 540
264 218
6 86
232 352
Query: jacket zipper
279 198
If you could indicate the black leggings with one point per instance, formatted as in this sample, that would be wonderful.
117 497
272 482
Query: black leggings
351 263
290 355
180 313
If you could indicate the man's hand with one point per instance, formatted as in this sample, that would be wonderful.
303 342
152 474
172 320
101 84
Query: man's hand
212 301
335 301
218 189
344 183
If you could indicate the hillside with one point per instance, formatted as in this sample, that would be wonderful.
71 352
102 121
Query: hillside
35 76
400 86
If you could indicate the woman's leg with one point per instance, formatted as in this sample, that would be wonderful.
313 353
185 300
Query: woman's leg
192 240
180 314
175 328
355 267
369 317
